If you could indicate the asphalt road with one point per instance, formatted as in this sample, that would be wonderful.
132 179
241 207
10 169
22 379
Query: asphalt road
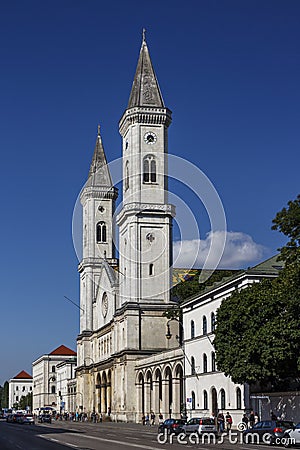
63 435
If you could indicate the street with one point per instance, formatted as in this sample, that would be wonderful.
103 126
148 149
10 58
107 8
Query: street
62 435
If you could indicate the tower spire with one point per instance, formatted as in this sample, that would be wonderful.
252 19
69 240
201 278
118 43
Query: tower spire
99 172
145 89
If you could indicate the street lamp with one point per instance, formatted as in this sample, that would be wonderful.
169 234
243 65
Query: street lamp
93 362
180 340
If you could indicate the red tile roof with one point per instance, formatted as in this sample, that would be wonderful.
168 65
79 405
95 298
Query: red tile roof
63 351
22 375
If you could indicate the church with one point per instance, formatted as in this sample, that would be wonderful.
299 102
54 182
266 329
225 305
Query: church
123 300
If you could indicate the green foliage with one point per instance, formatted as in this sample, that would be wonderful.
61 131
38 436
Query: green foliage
258 330
26 401
5 394
287 221
188 288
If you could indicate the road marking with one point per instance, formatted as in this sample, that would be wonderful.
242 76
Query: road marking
129 444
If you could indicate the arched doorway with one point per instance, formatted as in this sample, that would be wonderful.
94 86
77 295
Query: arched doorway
158 391
169 393
98 395
104 393
214 402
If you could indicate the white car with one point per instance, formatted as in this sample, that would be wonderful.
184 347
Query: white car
200 425
292 436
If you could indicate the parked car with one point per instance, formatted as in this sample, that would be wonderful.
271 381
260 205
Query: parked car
27 418
171 426
200 425
267 431
45 418
292 436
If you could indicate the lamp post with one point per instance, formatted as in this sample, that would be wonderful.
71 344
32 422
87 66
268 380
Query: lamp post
93 362
180 340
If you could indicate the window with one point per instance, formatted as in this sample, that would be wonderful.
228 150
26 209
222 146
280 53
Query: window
17 398
52 389
149 169
223 402
17 388
238 399
193 371
204 363
30 388
53 369
151 269
192 329
23 388
126 175
205 400
213 361
193 400
204 325
213 322
101 232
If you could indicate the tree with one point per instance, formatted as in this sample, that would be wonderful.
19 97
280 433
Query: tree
5 395
257 335
26 400
287 221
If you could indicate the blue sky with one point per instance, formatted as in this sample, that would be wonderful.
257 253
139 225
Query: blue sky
229 70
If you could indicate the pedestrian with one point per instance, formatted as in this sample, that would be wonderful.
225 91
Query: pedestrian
251 419
256 417
152 418
220 422
228 419
147 419
245 421
160 419
100 417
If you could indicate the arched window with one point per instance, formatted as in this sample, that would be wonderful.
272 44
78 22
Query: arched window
238 399
193 369
204 325
192 329
149 169
223 399
213 322
53 368
205 400
213 361
126 175
204 363
52 389
193 400
101 232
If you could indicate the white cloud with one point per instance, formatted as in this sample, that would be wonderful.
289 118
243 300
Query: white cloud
239 251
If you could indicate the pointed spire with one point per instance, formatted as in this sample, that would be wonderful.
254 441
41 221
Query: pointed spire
99 172
145 89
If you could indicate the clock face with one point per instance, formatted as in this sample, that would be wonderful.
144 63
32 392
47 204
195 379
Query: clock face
104 304
150 138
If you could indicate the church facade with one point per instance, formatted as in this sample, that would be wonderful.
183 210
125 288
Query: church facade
123 301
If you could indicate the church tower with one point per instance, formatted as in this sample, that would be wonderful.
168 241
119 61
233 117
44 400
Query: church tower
145 221
98 201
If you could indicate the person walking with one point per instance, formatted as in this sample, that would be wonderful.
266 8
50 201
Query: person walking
228 419
220 422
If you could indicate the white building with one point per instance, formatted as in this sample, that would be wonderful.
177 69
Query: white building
44 374
208 389
19 386
65 372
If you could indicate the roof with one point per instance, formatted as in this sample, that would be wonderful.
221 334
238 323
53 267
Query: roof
270 267
62 350
145 89
23 375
